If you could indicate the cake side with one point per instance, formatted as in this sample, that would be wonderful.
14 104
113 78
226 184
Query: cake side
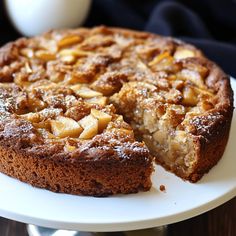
93 178
212 130
100 167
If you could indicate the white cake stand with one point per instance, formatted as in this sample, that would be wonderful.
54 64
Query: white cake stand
180 201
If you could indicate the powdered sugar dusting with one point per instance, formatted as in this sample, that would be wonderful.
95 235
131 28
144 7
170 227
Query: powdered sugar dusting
203 124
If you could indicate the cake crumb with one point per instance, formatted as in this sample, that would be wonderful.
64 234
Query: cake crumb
162 188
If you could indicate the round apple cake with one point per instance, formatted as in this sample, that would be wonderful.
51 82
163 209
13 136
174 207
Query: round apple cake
89 111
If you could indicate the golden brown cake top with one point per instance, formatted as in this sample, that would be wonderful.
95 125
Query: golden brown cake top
58 90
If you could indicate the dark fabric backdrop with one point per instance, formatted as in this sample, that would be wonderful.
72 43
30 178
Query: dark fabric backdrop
208 24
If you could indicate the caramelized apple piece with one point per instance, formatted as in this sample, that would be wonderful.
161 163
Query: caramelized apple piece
90 126
182 53
103 119
102 101
69 40
45 55
85 92
159 58
69 59
32 117
189 97
27 52
65 127
76 87
74 52
193 76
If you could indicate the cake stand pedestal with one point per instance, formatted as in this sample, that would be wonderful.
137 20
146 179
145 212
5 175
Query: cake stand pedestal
42 231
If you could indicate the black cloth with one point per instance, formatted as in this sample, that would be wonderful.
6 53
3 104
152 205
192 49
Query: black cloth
208 24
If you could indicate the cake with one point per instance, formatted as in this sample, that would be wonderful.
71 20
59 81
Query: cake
89 111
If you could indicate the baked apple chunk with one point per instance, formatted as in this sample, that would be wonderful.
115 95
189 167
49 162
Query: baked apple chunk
65 127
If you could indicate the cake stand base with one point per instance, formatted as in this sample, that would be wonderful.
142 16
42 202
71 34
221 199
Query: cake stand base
42 231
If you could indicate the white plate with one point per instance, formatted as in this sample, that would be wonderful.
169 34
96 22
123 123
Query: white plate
181 200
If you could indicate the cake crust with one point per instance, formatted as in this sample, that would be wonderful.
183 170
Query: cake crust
74 102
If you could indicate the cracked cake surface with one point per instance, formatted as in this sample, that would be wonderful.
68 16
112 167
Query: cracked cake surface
86 111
